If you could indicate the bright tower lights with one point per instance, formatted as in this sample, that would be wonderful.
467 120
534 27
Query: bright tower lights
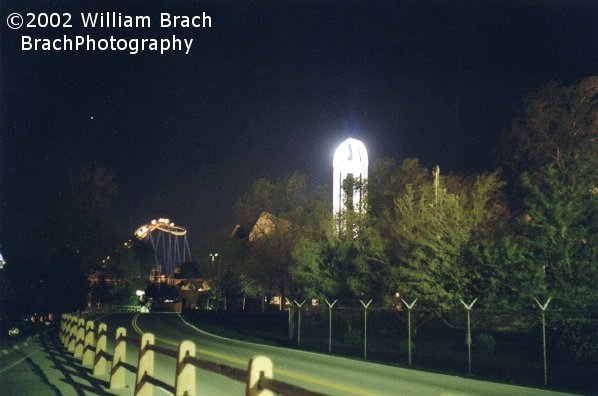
350 165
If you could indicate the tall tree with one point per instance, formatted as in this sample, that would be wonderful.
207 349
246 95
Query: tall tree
553 151
561 228
89 199
430 230
559 123
279 214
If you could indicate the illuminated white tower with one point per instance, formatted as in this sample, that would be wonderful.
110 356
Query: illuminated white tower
350 162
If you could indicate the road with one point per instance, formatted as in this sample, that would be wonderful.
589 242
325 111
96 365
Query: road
316 372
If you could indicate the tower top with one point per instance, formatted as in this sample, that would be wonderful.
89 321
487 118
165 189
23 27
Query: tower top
350 153
350 163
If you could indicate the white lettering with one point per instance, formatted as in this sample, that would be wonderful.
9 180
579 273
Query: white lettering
26 43
89 19
196 21
188 45
165 19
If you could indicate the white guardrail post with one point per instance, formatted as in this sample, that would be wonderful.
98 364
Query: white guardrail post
145 367
63 322
68 323
117 373
100 362
259 366
80 339
67 331
72 338
89 345
185 373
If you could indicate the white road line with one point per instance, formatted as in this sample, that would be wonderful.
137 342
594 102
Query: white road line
100 317
18 361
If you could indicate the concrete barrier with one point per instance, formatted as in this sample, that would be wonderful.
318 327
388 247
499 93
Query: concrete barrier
258 367
101 354
80 339
117 373
185 373
89 345
72 338
145 366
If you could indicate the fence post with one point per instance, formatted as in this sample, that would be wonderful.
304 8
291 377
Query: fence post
365 327
468 340
291 319
185 373
330 305
299 321
259 366
99 364
89 345
80 339
409 326
145 367
72 337
543 310
117 373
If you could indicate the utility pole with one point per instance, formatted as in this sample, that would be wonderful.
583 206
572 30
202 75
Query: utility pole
436 173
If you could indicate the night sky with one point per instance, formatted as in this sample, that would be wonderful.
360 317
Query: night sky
272 87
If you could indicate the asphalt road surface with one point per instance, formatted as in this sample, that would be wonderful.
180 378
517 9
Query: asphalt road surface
39 365
316 372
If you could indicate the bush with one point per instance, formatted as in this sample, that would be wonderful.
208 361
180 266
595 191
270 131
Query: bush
352 337
484 344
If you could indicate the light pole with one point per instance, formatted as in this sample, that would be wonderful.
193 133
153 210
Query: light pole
214 275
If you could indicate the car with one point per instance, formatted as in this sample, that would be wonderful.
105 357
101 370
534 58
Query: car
17 320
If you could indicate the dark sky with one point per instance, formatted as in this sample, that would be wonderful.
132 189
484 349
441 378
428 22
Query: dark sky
272 87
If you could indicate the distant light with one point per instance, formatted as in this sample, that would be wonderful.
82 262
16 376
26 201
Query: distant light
162 224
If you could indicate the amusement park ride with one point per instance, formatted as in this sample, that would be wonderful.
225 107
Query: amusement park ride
170 244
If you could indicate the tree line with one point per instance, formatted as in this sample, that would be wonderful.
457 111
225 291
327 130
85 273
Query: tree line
526 230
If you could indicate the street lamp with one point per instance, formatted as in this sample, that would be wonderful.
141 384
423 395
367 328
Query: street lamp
216 277
213 268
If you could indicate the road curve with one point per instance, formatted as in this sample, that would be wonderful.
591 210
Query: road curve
317 372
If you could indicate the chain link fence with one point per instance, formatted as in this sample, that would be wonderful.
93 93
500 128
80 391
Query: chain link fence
505 346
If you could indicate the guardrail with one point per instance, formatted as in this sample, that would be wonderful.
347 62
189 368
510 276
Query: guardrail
89 344
113 308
